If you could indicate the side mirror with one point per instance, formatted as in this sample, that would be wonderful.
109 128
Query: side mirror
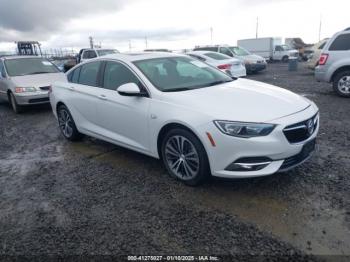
130 89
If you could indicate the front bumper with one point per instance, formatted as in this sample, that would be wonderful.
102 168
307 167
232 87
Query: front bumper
275 147
34 98
255 67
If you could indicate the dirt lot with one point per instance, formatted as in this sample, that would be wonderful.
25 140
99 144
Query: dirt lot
94 198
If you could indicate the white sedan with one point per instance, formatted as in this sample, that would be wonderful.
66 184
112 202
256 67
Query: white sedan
194 117
232 66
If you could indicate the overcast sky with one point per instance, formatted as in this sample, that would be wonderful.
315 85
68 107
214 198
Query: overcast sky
173 24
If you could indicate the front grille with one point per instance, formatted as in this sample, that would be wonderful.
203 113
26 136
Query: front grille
45 88
38 100
305 153
301 131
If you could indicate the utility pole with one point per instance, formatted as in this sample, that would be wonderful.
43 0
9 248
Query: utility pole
91 40
146 42
130 45
257 27
211 35
320 29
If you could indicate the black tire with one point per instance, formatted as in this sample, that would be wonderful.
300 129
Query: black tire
67 125
187 164
338 88
16 107
285 59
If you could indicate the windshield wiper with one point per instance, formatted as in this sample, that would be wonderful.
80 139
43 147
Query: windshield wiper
179 89
219 82
37 73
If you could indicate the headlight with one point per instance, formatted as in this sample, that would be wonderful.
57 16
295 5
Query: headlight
25 89
244 129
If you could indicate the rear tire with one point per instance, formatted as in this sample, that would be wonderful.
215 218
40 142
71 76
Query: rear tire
341 84
185 157
16 107
67 124
285 59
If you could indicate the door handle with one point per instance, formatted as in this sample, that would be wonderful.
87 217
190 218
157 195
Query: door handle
71 88
102 97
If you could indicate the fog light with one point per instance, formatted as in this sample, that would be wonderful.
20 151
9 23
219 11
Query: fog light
249 164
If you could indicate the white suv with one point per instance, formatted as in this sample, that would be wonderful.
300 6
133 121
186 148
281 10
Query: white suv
334 63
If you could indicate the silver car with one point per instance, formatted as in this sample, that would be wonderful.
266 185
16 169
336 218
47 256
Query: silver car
26 80
334 63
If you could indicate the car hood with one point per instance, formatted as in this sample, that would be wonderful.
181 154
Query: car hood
38 80
241 100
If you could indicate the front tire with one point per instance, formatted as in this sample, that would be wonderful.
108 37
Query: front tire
185 157
341 84
16 107
67 124
285 59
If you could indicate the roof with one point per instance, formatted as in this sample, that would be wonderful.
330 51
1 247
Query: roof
131 57
21 57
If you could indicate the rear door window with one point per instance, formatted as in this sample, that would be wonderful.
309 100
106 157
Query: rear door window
341 43
89 74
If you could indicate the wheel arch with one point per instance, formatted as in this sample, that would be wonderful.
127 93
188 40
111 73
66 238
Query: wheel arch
340 69
172 125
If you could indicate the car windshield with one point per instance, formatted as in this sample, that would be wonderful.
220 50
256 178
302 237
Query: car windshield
29 66
217 56
239 51
106 52
171 74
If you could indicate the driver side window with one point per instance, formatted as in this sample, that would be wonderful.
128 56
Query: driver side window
117 74
2 70
278 48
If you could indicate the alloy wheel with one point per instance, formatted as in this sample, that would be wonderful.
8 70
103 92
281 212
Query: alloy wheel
344 85
182 157
65 123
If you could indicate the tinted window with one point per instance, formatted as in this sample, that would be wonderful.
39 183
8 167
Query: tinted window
226 51
116 75
75 75
217 56
278 48
29 66
88 74
341 43
2 71
89 54
180 73
322 45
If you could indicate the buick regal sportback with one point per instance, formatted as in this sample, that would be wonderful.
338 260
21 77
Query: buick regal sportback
195 118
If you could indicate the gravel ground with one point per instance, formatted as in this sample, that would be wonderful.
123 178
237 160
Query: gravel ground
94 198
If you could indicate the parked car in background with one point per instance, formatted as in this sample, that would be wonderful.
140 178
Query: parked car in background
88 53
253 63
334 63
317 49
26 80
158 50
270 48
230 65
198 120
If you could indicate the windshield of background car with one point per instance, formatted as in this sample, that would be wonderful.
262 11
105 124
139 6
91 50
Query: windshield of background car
29 66
239 51
106 52
172 74
217 56
286 47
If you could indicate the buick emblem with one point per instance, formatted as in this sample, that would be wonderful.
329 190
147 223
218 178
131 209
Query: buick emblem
310 126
